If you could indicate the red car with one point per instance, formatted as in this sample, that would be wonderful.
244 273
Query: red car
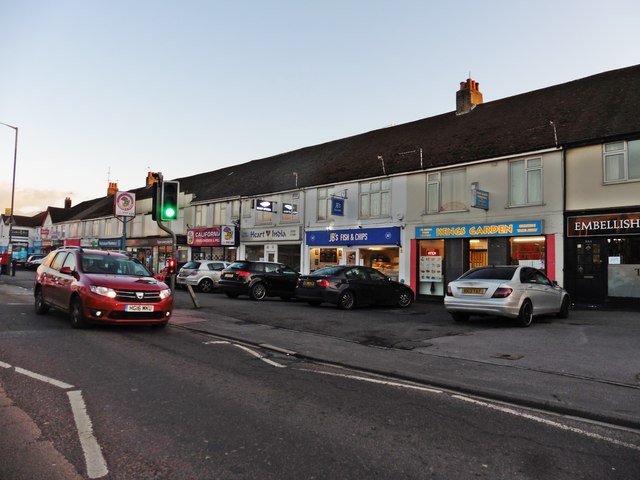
96 286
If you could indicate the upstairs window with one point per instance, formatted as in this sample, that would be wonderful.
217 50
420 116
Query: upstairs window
375 199
525 182
621 161
447 191
290 204
324 203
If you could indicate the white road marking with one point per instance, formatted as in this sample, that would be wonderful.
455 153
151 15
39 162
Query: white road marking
96 465
545 421
43 378
217 342
374 380
4 365
258 355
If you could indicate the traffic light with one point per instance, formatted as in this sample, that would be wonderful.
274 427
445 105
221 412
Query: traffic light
171 266
155 202
169 200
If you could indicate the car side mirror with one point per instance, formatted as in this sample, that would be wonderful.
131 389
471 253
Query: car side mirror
554 283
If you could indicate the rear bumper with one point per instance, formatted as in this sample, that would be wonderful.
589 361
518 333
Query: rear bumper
481 307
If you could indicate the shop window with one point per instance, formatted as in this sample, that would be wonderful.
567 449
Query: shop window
623 270
621 161
430 267
525 182
254 253
447 191
529 251
375 199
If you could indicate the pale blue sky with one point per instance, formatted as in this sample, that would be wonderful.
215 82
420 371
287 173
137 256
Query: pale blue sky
110 89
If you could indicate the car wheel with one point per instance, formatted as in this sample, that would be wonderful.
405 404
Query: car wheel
258 291
525 317
76 314
460 317
564 308
41 307
206 285
405 299
232 294
347 300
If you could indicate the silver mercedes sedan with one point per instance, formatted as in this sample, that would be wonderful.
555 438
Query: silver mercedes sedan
517 292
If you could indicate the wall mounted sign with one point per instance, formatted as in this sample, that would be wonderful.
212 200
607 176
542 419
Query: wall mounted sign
224 235
272 234
506 229
604 225
480 199
337 206
265 205
360 236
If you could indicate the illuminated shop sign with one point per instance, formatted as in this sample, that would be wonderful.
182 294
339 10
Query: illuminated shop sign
264 205
360 236
604 225
506 229
224 235
273 234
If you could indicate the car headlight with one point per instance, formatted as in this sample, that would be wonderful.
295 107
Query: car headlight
166 293
104 291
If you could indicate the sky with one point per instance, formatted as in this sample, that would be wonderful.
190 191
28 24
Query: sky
106 90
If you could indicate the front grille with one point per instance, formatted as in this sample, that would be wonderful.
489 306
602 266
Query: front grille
130 296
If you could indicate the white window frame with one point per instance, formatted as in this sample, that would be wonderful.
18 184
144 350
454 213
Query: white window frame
443 200
219 213
324 204
375 199
533 167
626 153
262 217
293 199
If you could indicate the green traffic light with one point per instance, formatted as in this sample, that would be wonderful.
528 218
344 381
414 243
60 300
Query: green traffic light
169 212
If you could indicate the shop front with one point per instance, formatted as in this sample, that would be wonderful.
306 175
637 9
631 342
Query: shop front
214 243
441 254
154 252
603 257
273 244
373 247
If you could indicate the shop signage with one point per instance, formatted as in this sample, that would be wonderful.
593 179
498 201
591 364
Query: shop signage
272 234
264 205
507 229
109 242
337 207
604 225
289 209
480 199
360 236
224 235
19 232
44 232
124 204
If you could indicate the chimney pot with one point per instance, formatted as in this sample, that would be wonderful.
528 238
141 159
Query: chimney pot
468 97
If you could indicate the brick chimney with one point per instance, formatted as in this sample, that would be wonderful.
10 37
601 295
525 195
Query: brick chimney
113 188
468 96
67 203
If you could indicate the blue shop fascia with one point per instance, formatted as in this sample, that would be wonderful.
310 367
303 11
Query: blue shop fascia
373 247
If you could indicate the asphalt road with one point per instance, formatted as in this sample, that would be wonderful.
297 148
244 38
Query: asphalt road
178 404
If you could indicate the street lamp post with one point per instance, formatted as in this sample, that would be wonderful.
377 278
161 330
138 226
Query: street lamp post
13 191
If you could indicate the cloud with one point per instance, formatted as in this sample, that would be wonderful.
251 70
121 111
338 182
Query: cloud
29 201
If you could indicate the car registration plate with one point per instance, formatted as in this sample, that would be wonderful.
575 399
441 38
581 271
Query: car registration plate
228 275
473 291
138 308
309 283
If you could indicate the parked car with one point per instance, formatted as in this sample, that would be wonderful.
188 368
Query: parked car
34 261
348 286
517 292
96 286
201 274
258 280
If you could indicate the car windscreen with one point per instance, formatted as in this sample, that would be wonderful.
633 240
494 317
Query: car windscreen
112 265
490 273
192 265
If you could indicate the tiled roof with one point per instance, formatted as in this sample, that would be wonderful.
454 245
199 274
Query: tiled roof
584 111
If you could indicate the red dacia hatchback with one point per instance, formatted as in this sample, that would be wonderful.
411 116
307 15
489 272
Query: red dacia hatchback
96 286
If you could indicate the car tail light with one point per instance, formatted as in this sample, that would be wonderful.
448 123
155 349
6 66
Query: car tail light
243 273
502 292
324 283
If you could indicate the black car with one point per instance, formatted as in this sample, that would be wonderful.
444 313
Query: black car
348 286
258 280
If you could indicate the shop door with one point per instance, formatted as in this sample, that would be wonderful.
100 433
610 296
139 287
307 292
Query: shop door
590 273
